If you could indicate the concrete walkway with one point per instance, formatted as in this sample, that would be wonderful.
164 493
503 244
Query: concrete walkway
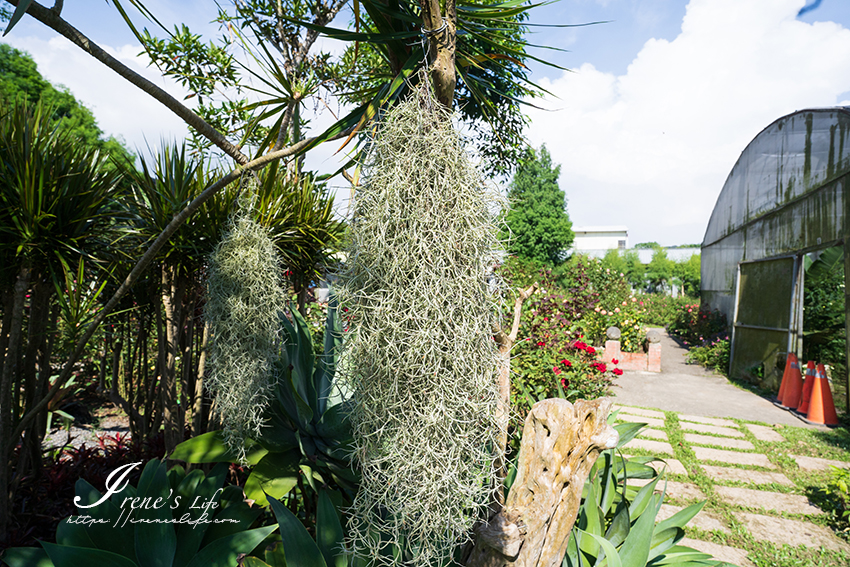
692 389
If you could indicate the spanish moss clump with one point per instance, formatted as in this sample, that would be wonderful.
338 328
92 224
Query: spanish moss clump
244 305
422 359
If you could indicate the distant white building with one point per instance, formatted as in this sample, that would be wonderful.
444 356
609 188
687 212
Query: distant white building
597 240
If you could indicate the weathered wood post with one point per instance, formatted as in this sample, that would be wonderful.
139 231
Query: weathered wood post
560 443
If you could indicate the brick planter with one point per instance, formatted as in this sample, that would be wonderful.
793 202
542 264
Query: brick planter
647 362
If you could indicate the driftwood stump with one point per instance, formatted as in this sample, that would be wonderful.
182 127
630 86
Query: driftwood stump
560 444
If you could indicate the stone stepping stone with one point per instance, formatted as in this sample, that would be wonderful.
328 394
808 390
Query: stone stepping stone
741 475
641 412
763 433
672 465
649 445
704 520
650 421
791 503
719 441
677 490
816 464
723 552
732 457
712 429
792 532
653 434
708 420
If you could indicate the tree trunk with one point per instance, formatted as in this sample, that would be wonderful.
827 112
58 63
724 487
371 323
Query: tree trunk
8 298
560 444
173 289
442 41
506 342
198 402
39 312
7 411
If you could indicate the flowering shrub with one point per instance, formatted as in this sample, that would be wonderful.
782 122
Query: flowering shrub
626 316
714 355
697 326
552 357
661 309
569 370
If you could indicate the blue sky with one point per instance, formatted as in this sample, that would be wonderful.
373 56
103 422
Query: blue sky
660 102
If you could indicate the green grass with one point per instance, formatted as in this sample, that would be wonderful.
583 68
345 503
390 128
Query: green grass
833 444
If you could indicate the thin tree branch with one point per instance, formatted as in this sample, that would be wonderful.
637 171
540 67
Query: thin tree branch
52 20
523 295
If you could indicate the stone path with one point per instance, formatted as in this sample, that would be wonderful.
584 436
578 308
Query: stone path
731 471
740 478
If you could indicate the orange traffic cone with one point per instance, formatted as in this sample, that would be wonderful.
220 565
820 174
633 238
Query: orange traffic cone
794 388
822 407
791 359
808 384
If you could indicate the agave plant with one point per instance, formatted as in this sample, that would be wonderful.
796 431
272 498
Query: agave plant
616 525
189 520
308 435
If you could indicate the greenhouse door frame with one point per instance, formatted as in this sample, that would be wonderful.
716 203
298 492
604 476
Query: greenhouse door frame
794 328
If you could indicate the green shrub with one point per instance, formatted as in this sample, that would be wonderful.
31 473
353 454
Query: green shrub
713 355
189 519
559 369
661 309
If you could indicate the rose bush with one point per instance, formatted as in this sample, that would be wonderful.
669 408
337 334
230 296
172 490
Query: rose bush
628 316
696 326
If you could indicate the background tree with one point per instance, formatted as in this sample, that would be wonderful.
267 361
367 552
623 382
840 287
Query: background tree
19 77
57 204
659 271
647 245
687 272
540 228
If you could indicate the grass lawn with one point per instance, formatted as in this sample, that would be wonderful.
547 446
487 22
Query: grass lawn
739 498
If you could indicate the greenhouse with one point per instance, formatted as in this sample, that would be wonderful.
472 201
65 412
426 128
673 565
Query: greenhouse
784 200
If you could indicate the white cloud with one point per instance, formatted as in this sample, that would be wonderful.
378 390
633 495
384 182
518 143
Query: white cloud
121 109
651 149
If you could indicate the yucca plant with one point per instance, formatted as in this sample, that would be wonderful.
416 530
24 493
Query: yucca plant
299 214
161 188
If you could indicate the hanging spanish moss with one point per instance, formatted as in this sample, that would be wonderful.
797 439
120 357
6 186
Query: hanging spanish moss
421 355
245 301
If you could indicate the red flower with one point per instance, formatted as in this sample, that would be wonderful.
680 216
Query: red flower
566 363
591 350
615 361
580 345
541 343
556 370
617 372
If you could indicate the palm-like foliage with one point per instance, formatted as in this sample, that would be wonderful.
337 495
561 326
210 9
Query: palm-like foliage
56 207
300 215
55 195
